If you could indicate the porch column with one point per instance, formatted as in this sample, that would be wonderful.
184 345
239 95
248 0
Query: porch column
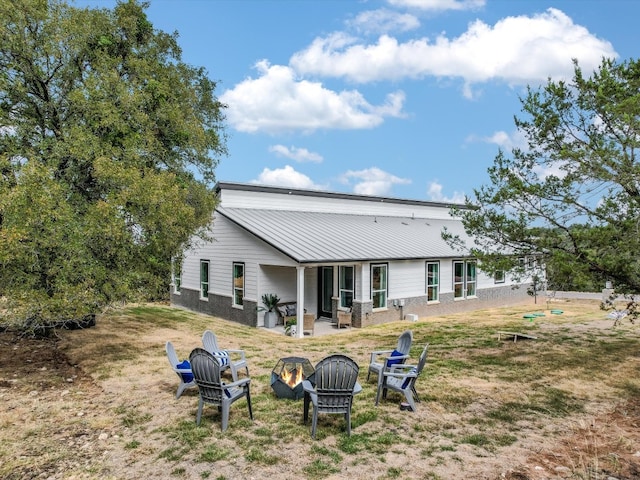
300 303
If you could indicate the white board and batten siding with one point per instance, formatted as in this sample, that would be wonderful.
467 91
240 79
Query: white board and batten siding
283 282
354 206
231 244
408 278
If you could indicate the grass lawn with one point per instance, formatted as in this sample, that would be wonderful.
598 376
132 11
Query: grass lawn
100 402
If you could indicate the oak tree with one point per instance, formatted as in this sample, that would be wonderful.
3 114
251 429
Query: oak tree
108 146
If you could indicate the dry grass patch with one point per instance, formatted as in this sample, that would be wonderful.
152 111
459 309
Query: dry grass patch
100 403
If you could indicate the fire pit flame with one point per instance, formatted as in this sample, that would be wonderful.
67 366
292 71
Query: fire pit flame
292 377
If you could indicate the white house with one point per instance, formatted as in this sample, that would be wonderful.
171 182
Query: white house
381 257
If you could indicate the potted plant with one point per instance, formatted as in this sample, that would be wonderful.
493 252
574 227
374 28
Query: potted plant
270 302
290 327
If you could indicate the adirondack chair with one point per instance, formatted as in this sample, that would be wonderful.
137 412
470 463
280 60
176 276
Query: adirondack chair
336 382
228 359
211 388
344 318
182 369
309 322
402 378
382 359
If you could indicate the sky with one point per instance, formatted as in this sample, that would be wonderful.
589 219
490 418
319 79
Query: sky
397 98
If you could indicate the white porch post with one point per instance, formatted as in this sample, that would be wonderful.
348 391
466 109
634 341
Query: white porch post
300 303
365 283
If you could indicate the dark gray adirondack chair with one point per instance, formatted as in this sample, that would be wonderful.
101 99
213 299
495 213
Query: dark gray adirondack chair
336 382
383 359
211 388
402 378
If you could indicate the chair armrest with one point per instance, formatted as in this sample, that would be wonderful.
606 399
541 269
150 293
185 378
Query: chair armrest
237 383
307 386
397 359
357 388
237 352
397 371
399 366
381 352
377 353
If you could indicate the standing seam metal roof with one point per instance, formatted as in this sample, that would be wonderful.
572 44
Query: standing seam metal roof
317 237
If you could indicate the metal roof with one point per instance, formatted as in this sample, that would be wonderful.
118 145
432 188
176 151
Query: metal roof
316 237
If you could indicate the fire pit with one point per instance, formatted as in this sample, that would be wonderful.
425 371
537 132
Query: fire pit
287 377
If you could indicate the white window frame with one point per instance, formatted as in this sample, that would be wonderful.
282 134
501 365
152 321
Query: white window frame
499 276
434 286
532 262
346 292
384 291
466 284
238 291
471 284
204 284
458 280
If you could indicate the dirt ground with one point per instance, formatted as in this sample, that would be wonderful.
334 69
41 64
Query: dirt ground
611 435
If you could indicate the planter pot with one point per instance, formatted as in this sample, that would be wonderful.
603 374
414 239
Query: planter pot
270 319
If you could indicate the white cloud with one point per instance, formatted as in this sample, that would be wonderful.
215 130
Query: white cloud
383 20
294 153
507 141
434 192
278 101
372 181
439 5
286 177
553 169
516 50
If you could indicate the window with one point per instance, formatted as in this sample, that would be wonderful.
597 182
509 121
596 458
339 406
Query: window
379 285
499 276
458 279
346 286
204 278
238 284
464 279
177 276
471 278
433 281
532 263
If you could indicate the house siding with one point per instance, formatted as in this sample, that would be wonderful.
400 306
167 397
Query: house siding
351 206
230 244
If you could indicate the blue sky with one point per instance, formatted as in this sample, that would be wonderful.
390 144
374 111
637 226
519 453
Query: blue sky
399 98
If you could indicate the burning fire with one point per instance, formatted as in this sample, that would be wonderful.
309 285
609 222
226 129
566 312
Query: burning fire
292 377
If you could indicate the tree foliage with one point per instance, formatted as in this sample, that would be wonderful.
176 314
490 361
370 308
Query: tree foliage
572 193
108 145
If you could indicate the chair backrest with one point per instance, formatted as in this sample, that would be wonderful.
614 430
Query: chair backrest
210 342
335 378
404 342
422 360
309 321
206 373
171 355
409 382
